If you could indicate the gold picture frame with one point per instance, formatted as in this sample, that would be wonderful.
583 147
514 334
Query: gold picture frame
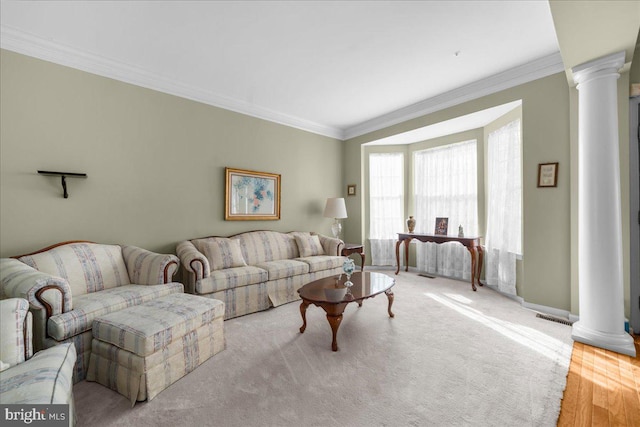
251 195
547 175
351 190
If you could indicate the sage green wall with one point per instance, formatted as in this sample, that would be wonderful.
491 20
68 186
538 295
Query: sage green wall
545 127
155 162
634 72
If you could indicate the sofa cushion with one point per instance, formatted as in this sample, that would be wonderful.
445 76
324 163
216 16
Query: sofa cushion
284 268
88 267
231 278
262 246
46 378
90 306
323 262
221 252
308 244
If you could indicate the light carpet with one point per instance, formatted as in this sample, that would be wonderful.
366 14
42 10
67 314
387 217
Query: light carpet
450 357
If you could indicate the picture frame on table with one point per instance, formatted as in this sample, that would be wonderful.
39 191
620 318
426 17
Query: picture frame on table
251 195
442 226
547 175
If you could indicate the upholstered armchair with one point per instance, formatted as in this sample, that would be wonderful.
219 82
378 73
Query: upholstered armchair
70 284
45 378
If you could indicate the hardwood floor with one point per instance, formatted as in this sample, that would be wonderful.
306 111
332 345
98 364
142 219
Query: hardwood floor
603 388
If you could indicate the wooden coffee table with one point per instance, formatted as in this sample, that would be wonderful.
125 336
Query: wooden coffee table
331 294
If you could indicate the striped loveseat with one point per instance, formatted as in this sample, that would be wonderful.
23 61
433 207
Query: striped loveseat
70 284
255 270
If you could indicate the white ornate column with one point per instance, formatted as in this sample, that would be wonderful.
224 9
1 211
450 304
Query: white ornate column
601 298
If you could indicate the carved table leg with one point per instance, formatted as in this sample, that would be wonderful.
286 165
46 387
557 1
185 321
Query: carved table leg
480 261
472 251
390 298
303 312
334 321
406 254
398 243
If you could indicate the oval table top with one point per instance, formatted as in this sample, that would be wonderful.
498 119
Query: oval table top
332 290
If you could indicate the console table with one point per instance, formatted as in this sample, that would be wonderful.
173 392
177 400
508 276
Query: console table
471 243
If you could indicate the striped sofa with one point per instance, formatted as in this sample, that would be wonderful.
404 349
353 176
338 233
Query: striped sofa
255 270
70 284
44 379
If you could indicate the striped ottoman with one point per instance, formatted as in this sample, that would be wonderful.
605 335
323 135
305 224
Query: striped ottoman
141 350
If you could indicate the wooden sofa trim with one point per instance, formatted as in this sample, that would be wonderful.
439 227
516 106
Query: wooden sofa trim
52 247
40 291
46 305
166 271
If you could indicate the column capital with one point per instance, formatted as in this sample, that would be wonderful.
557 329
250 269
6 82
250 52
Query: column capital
598 67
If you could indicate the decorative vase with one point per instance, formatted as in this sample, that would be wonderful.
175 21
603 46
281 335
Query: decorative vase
411 224
348 267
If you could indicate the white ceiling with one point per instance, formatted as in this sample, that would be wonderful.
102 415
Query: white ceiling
337 68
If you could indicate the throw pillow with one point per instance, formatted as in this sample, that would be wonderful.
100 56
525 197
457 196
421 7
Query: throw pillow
221 252
309 245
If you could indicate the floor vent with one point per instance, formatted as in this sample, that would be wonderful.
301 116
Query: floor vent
426 275
554 319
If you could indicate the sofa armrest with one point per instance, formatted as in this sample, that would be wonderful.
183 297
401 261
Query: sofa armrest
46 378
193 261
16 332
149 268
41 290
331 245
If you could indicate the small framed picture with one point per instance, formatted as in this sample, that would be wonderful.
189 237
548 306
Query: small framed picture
548 175
442 226
351 190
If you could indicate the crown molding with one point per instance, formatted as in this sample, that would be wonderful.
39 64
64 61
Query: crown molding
543 67
38 47
31 45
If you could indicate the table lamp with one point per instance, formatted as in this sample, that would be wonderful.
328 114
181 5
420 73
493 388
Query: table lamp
336 209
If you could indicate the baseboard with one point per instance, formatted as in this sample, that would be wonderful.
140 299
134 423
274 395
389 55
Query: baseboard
563 314
510 296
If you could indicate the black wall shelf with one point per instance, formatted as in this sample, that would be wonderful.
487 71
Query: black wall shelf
64 176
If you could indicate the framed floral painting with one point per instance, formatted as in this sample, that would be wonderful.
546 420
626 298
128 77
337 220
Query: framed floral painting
251 195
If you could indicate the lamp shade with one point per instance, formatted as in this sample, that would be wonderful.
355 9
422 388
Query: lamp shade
335 208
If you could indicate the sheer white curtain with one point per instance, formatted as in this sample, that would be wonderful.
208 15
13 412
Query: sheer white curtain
386 203
504 207
445 183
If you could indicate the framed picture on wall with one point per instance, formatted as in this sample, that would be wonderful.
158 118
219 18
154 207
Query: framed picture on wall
351 190
251 195
548 175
